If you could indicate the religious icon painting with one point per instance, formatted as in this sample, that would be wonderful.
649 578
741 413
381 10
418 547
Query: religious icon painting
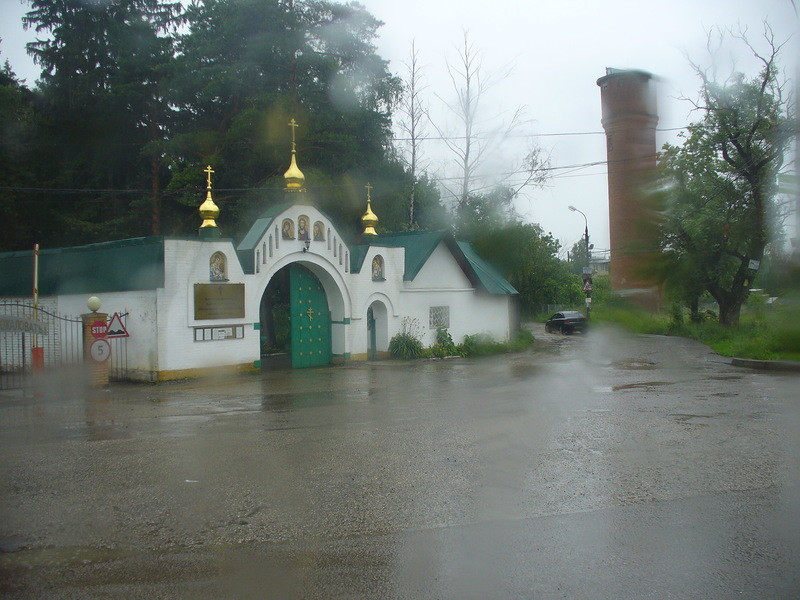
287 229
218 267
302 227
377 268
319 232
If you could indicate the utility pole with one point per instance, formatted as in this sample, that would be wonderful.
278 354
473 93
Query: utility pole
587 270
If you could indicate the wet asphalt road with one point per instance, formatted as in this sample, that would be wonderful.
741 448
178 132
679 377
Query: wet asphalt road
604 466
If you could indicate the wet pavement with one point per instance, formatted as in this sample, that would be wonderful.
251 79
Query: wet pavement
597 466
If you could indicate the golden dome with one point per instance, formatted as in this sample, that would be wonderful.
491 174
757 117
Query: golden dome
369 219
208 210
294 176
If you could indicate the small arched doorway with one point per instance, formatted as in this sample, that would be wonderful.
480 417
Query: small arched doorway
295 320
377 331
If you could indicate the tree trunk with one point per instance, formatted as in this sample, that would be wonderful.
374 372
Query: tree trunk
156 207
694 310
729 311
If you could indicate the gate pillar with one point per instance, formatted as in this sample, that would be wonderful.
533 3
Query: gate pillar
96 349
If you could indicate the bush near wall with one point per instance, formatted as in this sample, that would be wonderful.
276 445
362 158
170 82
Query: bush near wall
404 345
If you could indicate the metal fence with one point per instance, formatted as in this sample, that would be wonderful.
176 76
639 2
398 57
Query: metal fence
23 327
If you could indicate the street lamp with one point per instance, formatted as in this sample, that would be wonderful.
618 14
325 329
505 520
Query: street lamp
587 271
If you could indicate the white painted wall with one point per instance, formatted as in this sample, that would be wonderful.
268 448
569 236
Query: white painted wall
441 282
186 262
162 324
141 323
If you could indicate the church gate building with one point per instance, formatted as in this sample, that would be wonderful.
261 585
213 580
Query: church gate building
296 291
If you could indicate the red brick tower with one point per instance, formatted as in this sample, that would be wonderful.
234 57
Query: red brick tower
629 119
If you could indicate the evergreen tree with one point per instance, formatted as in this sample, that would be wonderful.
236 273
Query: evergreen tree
103 116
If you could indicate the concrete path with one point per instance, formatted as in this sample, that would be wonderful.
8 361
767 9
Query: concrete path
597 466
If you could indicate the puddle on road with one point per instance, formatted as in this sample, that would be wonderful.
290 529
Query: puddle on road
647 385
726 377
685 418
55 556
634 365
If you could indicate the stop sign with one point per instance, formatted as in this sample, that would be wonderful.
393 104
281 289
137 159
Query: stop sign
99 329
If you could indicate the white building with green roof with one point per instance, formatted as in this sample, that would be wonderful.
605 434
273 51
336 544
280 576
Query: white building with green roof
296 291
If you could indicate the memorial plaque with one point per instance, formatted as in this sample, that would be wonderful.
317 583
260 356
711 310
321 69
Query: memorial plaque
218 301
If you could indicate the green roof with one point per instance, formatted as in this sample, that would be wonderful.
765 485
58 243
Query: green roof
246 248
419 245
491 280
119 266
257 230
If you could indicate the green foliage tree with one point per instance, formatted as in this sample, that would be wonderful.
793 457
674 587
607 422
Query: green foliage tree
130 108
578 258
17 132
245 67
103 114
522 252
720 197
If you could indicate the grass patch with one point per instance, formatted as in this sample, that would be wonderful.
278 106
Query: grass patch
632 319
770 334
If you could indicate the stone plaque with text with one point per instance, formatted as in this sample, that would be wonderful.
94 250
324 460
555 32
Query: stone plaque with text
218 301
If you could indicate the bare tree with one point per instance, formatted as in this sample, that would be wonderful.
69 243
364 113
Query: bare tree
480 133
413 124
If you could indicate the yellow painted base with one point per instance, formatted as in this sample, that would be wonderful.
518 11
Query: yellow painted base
364 356
205 372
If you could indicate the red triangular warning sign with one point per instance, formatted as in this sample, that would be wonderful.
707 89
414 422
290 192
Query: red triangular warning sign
115 328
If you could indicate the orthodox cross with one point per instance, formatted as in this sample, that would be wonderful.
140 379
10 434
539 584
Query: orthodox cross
369 187
293 124
310 313
209 170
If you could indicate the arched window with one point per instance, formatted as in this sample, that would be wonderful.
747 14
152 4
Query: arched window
218 267
377 269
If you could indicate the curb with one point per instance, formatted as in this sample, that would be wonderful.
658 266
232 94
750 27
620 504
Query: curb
767 365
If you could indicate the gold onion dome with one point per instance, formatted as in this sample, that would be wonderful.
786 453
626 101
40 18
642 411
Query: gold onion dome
294 176
208 210
369 219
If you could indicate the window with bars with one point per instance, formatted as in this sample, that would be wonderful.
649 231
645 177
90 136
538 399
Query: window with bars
439 317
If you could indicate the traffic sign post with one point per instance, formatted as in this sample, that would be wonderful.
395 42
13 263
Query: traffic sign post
96 349
115 328
99 329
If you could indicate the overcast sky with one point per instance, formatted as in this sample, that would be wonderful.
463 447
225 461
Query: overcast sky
555 52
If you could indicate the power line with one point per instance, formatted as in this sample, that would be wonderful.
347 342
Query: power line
307 141
328 186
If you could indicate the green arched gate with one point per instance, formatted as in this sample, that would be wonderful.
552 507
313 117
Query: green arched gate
310 319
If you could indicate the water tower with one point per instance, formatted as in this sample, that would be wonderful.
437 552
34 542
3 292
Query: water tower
629 119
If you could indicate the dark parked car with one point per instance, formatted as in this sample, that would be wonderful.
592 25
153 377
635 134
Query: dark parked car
566 322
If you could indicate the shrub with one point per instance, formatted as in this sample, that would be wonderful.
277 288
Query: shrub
406 344
484 344
481 344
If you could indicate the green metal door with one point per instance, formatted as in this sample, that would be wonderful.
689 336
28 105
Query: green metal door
310 319
372 353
